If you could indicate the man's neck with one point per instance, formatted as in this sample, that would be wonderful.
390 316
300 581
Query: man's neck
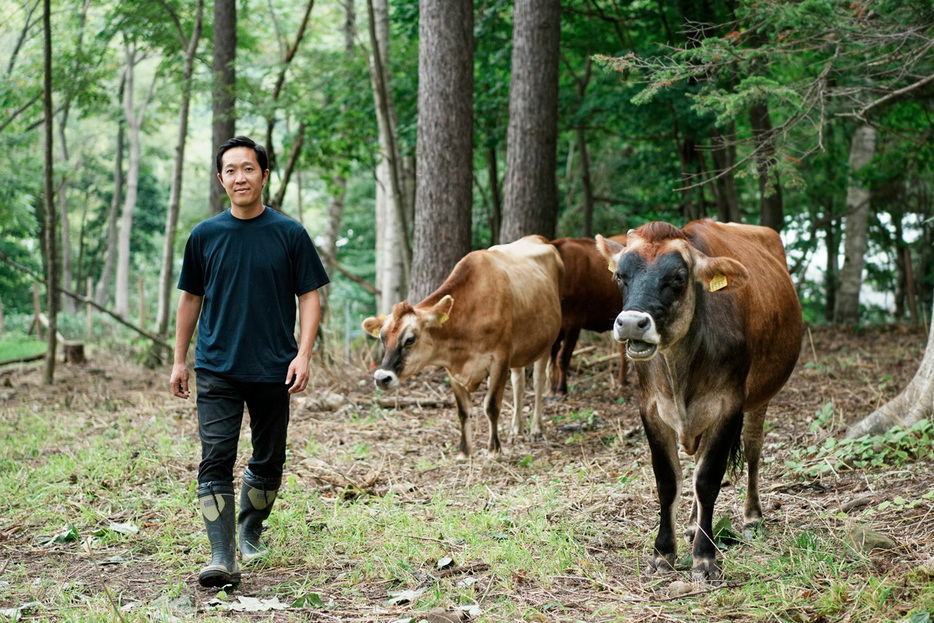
247 212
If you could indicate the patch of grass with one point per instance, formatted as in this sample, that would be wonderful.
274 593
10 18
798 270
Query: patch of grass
19 347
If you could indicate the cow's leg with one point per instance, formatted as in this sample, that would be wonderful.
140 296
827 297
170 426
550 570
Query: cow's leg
753 437
713 457
667 467
555 368
623 365
690 530
538 381
517 375
462 398
493 403
564 359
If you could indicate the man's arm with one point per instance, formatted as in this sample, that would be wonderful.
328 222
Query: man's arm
186 318
309 314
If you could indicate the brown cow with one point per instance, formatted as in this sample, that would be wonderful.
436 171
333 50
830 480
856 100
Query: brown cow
499 310
713 326
589 300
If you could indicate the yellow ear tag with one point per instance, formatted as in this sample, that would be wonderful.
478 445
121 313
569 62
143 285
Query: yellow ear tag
718 283
375 333
443 318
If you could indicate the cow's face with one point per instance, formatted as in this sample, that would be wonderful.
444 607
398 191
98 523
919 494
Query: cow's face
660 280
407 338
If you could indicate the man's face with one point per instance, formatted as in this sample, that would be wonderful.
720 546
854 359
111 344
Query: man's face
242 177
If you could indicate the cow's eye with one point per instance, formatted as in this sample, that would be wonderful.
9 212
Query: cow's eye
677 280
409 341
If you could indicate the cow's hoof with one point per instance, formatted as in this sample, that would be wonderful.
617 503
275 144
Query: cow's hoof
705 570
753 530
494 455
660 565
553 398
536 434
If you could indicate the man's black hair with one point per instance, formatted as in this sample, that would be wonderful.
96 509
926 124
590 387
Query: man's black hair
243 141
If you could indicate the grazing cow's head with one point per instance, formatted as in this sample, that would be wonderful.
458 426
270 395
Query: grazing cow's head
407 338
660 275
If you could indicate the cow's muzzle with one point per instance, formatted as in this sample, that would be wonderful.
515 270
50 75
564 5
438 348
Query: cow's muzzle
385 379
638 330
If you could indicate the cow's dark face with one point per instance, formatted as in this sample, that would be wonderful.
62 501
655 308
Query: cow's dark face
406 336
660 281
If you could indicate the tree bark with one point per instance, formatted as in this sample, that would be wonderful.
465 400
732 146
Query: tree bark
915 403
833 249
862 149
190 47
496 198
444 192
393 253
530 205
51 241
224 94
102 291
771 209
724 158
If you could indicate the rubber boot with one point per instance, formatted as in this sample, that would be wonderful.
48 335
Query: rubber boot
216 500
256 498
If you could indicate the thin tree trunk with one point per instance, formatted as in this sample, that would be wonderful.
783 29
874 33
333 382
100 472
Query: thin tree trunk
224 90
496 197
915 403
102 291
393 252
725 184
530 205
190 46
65 225
771 209
862 149
833 249
51 240
444 191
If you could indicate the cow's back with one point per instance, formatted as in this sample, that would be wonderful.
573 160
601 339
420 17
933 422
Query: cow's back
590 298
533 274
768 303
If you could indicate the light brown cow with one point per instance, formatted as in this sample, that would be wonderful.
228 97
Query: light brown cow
499 310
713 326
590 300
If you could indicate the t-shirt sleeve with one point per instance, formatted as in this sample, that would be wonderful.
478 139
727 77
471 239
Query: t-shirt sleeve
308 270
191 279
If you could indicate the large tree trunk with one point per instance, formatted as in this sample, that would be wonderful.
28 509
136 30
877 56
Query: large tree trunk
862 149
224 96
51 255
102 290
915 403
393 254
530 205
190 46
444 193
771 209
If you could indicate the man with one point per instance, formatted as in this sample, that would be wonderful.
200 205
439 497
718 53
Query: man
242 272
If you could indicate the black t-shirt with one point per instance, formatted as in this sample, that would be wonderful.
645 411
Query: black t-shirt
249 273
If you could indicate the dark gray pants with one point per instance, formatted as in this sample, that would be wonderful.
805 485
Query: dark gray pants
220 415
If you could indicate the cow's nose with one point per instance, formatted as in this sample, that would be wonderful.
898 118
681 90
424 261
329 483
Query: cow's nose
385 379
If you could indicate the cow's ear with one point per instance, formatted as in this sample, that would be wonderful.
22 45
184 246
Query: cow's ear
610 250
720 274
442 309
373 326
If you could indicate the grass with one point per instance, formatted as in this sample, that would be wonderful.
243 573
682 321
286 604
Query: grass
13 348
543 536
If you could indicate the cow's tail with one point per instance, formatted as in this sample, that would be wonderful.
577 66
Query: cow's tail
735 461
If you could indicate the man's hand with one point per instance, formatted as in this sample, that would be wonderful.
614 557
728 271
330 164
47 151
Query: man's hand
298 371
179 381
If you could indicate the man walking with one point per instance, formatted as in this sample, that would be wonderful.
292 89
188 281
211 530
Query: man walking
241 274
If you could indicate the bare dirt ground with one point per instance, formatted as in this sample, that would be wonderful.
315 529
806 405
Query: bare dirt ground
855 370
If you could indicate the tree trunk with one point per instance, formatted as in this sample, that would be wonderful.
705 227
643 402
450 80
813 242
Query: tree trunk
393 255
65 224
530 205
771 210
724 158
224 93
833 250
134 121
915 403
102 291
862 150
51 259
190 46
496 198
444 191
